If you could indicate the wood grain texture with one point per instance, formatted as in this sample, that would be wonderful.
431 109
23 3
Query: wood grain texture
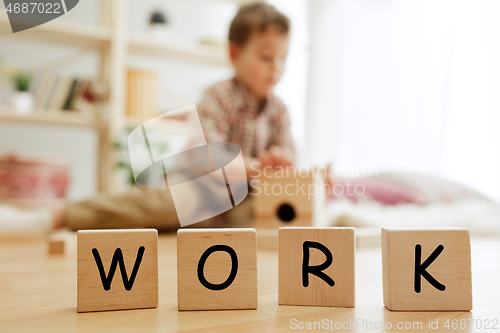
341 243
365 237
37 294
91 295
241 292
305 193
452 268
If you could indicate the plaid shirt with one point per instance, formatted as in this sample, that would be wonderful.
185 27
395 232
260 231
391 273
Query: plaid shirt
229 112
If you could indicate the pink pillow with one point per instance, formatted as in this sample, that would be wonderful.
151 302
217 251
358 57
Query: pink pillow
399 188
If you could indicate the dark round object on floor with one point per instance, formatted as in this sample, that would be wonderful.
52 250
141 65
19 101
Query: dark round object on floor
285 213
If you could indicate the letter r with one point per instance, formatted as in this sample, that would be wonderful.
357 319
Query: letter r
316 270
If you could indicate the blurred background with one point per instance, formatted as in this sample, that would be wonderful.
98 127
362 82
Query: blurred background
373 87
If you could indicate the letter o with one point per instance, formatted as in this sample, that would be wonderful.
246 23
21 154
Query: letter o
234 267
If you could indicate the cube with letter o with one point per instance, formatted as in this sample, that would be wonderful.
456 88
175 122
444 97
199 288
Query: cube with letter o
217 269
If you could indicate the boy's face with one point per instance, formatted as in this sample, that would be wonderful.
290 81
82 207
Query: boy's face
261 61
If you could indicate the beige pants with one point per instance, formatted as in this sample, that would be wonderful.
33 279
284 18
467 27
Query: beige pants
141 208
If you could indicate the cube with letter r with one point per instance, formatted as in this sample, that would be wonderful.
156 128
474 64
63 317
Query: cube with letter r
316 266
117 269
427 269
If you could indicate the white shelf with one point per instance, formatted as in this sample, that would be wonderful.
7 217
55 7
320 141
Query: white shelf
68 118
49 117
60 32
133 122
150 46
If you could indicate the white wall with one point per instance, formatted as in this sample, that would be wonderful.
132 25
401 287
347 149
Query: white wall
293 86
407 85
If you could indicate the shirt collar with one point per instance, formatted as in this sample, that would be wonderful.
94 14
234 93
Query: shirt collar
247 100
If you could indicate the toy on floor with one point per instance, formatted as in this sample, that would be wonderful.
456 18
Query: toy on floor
289 197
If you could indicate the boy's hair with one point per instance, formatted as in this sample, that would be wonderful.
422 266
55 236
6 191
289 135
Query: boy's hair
256 17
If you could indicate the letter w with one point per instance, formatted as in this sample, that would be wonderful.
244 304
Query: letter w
118 258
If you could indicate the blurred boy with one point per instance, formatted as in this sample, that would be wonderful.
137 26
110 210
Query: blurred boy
242 110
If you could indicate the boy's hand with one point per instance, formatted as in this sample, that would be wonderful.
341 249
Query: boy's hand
275 157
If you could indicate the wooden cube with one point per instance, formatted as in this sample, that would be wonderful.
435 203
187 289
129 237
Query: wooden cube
217 269
117 269
316 266
61 242
289 198
427 269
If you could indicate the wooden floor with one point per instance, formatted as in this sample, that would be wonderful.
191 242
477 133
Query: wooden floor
38 294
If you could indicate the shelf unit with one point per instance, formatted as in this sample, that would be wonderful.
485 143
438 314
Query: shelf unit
60 32
52 117
84 35
148 46
113 43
